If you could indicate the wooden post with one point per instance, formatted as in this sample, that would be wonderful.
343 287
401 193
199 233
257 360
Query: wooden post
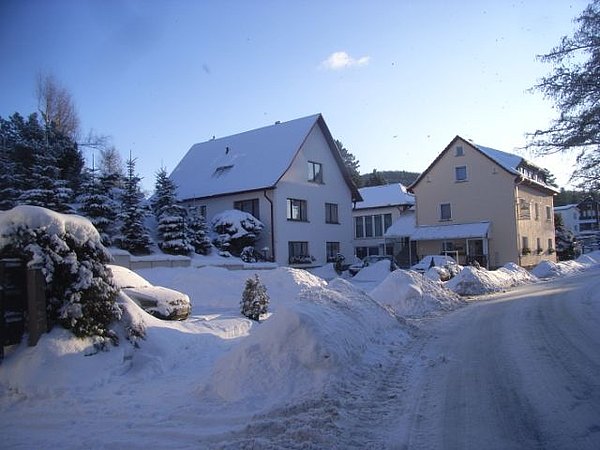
37 322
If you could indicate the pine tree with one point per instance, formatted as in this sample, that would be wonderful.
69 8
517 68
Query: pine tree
255 299
375 179
198 232
172 222
98 207
351 163
134 234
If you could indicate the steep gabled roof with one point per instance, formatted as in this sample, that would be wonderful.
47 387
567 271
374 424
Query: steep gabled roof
249 161
386 195
509 162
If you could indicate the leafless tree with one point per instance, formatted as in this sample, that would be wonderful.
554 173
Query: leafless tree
56 105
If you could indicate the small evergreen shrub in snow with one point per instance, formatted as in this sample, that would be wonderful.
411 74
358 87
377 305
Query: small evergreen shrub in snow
254 299
79 289
173 231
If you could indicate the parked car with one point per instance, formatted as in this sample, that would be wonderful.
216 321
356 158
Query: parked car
161 302
430 261
368 260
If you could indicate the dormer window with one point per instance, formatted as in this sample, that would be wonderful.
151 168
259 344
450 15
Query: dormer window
222 170
315 172
459 151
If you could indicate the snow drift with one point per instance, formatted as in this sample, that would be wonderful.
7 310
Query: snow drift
411 294
478 281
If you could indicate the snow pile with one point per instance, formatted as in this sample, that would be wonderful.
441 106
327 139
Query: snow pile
327 272
411 294
590 259
374 272
318 334
550 269
474 281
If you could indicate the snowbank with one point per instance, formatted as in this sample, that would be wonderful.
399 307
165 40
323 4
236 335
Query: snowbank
318 334
474 281
327 272
550 269
411 294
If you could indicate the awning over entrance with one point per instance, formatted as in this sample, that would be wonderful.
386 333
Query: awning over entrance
448 232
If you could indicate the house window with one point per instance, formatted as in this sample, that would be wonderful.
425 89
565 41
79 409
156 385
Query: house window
550 244
222 170
296 210
378 221
459 150
536 210
538 245
332 249
387 221
445 211
368 226
461 173
525 245
249 206
331 213
359 229
361 252
524 209
549 213
315 172
298 252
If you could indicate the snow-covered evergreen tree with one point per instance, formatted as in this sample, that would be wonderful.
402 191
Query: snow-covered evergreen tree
134 234
79 288
255 299
173 231
98 207
172 226
198 232
235 230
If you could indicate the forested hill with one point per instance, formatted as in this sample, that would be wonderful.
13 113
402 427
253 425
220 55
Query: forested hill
390 177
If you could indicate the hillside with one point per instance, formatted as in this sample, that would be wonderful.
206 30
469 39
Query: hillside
392 176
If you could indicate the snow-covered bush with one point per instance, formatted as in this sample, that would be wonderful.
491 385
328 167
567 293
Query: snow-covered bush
235 230
255 299
67 248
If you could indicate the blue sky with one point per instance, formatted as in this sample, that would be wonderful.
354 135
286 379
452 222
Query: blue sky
394 80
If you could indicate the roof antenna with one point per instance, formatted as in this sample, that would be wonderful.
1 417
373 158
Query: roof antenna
226 150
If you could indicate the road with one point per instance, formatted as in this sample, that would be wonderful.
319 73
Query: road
518 371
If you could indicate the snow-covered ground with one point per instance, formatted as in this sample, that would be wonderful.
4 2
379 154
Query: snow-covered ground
325 369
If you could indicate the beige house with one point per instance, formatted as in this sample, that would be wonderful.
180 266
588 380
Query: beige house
480 204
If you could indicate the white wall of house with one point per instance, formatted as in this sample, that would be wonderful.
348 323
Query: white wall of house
333 190
570 217
375 241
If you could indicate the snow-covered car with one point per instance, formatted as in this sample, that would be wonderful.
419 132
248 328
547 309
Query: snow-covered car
161 302
368 260
430 261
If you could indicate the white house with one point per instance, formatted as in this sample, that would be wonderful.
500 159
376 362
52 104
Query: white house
380 208
288 175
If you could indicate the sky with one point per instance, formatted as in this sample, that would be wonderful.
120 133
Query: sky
395 81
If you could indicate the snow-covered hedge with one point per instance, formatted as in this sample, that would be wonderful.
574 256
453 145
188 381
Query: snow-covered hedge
67 248
235 230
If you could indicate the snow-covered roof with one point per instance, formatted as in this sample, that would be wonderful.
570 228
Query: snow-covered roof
248 161
565 207
405 225
508 161
457 231
386 195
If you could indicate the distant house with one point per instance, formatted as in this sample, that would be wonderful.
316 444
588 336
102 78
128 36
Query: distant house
374 215
480 204
288 175
570 217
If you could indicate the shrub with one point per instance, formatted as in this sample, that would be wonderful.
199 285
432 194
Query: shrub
235 230
255 299
79 288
